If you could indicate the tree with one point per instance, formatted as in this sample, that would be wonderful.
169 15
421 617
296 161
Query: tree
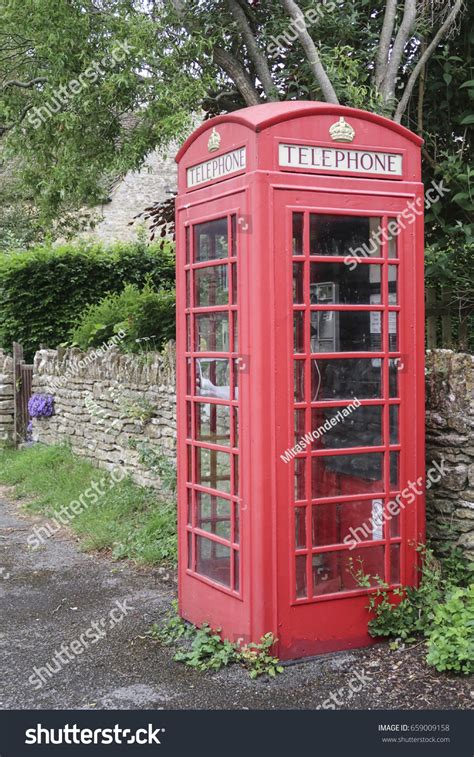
72 73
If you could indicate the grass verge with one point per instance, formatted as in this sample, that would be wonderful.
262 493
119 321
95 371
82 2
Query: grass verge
130 520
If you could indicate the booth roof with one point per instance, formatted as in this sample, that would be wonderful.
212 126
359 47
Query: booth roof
260 117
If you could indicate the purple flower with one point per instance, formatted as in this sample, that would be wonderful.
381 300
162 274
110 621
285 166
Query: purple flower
41 405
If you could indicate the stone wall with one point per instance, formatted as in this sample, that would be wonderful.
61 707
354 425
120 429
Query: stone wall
117 409
6 399
113 409
450 435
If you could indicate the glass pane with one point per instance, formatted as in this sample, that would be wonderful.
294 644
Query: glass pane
394 435
236 475
299 424
298 330
393 231
395 564
210 240
188 333
236 426
212 378
238 367
190 506
189 382
299 380
337 283
190 551
348 570
298 233
189 454
344 235
346 427
234 284
346 331
213 469
213 423
393 520
394 470
213 514
393 284
300 527
236 331
187 245
347 522
213 560
188 289
189 430
393 378
298 286
233 224
300 478
345 379
212 332
236 523
211 286
335 475
236 571
301 589
393 332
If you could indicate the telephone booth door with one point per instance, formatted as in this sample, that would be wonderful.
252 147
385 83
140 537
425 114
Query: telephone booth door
350 384
211 525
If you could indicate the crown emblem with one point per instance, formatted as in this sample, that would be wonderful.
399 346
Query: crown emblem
341 131
214 141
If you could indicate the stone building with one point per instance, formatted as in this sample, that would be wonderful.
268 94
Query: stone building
130 195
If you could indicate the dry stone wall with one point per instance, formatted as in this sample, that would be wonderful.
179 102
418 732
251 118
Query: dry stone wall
450 436
113 409
117 409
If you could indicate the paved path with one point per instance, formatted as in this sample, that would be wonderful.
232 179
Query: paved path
58 595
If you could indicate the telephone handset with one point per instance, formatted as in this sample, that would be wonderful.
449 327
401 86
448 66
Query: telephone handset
325 326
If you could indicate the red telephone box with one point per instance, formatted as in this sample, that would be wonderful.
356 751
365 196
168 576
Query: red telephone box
300 371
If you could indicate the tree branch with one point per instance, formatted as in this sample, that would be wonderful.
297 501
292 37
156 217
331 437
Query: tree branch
232 67
385 41
25 84
8 127
311 51
442 31
235 70
259 61
421 94
403 34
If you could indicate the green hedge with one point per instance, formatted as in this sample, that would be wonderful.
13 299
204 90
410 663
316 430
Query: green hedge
143 318
43 291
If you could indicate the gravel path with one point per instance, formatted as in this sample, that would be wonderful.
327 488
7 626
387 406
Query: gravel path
59 599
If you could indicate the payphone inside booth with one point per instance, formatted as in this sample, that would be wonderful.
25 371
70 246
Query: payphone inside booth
299 371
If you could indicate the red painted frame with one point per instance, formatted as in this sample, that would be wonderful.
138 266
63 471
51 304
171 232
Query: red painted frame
262 199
